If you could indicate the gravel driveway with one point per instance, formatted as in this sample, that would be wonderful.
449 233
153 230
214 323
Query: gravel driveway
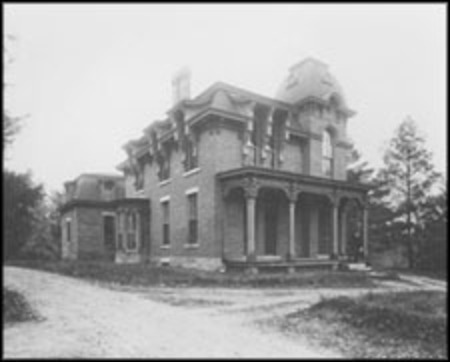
83 319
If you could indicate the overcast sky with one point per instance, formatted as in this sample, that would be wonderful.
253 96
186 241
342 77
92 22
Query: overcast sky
93 76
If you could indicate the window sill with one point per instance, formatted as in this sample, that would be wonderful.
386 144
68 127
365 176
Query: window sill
191 172
165 246
191 246
165 182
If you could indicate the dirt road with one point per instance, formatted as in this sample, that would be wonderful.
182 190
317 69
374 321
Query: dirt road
82 319
86 320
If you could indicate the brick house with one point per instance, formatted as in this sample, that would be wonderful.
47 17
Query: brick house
230 178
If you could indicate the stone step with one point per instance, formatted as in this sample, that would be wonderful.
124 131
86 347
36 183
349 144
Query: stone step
359 266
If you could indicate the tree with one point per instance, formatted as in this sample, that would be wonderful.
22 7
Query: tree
21 199
406 181
358 169
44 242
25 215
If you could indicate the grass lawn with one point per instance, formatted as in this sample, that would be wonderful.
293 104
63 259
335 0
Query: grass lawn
441 275
148 274
15 307
387 325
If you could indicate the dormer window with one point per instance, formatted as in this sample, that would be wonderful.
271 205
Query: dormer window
327 154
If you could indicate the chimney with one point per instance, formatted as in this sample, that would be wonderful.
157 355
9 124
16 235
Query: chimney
181 85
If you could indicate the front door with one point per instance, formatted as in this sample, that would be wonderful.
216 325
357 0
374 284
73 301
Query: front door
109 234
271 222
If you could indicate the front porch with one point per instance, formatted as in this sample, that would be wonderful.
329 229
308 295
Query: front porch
283 220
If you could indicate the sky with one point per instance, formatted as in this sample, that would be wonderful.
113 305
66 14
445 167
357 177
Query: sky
90 77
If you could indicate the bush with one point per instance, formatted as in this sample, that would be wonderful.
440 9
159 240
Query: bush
15 307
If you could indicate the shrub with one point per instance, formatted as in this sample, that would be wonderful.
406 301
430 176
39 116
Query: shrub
15 307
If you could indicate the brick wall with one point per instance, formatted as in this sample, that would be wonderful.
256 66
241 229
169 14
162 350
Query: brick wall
90 233
340 163
315 158
293 157
214 154
234 228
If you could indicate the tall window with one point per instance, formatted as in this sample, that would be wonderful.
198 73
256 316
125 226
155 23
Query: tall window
128 230
164 173
69 230
164 163
191 160
327 154
166 222
131 231
193 224
139 174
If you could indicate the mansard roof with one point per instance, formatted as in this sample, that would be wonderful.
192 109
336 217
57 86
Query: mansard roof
311 80
308 81
88 186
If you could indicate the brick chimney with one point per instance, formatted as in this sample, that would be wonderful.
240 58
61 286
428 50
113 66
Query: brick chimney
181 85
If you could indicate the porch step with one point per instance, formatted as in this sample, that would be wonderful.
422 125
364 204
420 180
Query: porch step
359 266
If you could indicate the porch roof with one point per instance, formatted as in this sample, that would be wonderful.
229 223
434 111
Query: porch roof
307 183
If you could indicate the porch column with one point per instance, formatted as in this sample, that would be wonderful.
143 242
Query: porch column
335 228
138 231
343 231
292 197
251 202
291 229
251 205
365 232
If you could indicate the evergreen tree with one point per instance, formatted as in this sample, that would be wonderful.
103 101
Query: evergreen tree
358 169
406 182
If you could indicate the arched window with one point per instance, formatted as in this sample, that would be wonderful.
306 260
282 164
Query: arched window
327 154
